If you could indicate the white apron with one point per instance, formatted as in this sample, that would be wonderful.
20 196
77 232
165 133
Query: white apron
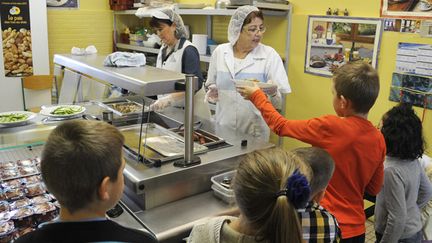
174 63
262 63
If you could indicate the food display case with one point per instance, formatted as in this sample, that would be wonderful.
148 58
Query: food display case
159 196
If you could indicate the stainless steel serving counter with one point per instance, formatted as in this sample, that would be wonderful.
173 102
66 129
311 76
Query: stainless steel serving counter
167 199
145 80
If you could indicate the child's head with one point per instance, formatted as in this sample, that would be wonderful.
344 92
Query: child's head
402 130
82 164
269 186
358 84
322 166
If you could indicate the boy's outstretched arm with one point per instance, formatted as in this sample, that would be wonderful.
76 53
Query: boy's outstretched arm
310 131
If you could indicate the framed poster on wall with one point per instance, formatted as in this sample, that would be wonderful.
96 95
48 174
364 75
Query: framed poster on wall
17 38
62 3
333 41
406 8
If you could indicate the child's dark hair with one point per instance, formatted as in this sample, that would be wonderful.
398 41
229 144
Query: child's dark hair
77 157
402 130
359 83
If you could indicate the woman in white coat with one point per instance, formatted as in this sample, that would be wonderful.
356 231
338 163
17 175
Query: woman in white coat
244 57
176 54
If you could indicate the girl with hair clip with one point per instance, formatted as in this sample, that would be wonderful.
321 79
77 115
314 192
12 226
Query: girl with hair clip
406 188
269 186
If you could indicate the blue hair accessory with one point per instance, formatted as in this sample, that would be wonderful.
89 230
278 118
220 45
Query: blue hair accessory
297 190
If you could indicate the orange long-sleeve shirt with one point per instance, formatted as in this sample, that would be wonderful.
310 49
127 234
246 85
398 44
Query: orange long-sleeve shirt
357 148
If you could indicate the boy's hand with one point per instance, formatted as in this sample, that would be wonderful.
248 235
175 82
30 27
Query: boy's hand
247 91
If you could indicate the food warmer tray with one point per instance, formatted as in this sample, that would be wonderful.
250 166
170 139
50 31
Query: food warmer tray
124 107
158 143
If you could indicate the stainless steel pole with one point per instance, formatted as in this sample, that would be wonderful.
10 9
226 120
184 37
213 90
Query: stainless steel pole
189 158
191 80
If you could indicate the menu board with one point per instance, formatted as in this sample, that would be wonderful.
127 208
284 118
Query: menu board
16 36
414 58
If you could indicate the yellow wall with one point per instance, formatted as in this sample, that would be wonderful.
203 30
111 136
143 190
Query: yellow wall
91 24
311 94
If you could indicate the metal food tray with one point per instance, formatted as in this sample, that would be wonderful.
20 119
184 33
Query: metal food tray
157 142
110 106
210 139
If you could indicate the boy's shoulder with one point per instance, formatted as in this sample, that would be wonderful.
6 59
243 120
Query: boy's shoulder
86 231
315 218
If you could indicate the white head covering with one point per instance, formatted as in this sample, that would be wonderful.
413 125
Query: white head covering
169 14
236 22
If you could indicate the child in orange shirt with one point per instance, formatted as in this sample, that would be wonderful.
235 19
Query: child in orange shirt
357 147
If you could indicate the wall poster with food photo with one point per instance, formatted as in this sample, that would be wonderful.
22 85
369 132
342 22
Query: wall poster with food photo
406 8
334 41
63 3
16 36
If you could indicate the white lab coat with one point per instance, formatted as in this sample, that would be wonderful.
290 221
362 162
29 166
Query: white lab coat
262 63
174 63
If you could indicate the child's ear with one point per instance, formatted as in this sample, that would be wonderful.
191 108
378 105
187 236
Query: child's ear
344 102
104 189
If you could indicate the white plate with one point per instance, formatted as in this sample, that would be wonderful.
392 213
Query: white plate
47 111
30 115
265 87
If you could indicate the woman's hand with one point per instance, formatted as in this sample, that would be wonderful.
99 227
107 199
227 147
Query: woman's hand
247 91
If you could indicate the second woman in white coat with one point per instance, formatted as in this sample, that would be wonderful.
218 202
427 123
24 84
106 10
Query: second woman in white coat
244 57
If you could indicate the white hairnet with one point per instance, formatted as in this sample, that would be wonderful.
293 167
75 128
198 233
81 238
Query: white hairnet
167 13
236 22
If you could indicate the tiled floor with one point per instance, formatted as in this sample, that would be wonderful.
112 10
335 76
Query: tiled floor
370 231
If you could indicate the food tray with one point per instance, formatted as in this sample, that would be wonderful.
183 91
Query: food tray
230 199
156 138
226 194
124 107
202 137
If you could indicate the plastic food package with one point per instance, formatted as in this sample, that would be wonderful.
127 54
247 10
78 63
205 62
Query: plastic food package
14 193
12 183
9 174
7 230
22 217
25 162
33 179
7 165
42 199
45 212
35 189
4 206
24 202
28 170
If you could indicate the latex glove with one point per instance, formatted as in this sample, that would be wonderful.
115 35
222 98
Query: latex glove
160 104
212 94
